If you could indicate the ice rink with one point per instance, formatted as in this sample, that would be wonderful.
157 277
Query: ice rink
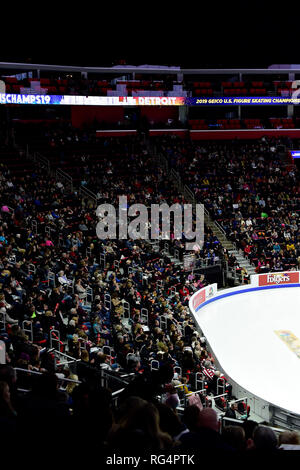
241 330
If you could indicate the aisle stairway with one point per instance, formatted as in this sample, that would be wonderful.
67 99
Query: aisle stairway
232 249
231 274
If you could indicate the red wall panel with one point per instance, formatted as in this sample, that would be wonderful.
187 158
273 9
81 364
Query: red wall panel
183 133
159 114
87 114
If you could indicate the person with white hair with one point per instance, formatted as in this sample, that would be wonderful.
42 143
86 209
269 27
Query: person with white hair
62 278
4 307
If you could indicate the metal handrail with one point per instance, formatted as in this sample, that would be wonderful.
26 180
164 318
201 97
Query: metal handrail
43 161
238 421
60 174
88 193
34 372
117 392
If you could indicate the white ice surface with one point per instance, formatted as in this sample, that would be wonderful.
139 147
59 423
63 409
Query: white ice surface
241 332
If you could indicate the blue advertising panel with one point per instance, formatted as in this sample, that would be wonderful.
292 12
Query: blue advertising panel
295 153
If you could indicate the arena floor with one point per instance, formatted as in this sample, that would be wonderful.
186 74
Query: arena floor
255 337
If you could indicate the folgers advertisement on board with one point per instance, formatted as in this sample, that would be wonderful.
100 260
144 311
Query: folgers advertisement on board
291 277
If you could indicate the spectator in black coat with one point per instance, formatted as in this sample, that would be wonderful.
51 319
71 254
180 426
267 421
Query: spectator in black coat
42 411
8 415
231 413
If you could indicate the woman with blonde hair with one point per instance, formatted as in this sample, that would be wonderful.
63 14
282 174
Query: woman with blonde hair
81 291
84 356
70 387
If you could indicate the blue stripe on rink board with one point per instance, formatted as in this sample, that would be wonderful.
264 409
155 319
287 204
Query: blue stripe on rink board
251 289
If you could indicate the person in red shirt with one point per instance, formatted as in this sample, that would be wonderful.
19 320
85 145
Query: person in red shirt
247 249
184 292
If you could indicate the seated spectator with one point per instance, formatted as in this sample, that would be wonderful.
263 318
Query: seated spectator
81 291
43 404
170 422
92 409
265 439
234 436
4 309
139 431
85 370
62 278
191 417
6 407
231 413
206 434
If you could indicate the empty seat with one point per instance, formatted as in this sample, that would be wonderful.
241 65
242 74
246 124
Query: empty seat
45 81
226 84
10 80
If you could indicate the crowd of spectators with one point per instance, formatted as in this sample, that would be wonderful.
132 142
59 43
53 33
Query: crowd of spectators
28 294
251 190
133 276
106 167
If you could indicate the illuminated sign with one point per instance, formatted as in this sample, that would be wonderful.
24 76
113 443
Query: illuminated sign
238 101
7 98
295 153
72 100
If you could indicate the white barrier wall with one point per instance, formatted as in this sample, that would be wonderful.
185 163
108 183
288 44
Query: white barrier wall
203 295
